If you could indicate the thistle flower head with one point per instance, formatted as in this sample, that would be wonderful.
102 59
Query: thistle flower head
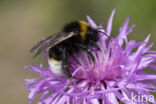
118 72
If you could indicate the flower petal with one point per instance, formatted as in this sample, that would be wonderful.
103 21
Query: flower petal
91 22
145 77
122 34
109 25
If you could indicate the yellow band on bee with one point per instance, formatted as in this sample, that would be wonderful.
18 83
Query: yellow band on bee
84 28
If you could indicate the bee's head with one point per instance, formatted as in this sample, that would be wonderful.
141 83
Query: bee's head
92 35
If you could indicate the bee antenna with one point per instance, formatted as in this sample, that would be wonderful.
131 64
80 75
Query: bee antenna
103 33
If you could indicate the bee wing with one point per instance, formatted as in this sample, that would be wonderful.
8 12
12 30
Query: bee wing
50 41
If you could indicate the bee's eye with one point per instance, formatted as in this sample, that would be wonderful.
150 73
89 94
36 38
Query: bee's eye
89 32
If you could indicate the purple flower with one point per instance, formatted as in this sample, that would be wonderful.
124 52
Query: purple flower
118 73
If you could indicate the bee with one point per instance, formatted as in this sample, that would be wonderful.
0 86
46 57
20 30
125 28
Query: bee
74 37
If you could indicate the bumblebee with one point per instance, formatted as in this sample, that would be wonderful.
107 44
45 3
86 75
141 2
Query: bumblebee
74 37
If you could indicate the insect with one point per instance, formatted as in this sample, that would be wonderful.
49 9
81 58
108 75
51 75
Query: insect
74 37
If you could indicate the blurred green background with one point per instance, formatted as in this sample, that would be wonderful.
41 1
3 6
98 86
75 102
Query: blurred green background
24 22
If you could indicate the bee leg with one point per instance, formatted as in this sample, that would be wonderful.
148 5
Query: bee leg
86 48
92 57
65 65
95 45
